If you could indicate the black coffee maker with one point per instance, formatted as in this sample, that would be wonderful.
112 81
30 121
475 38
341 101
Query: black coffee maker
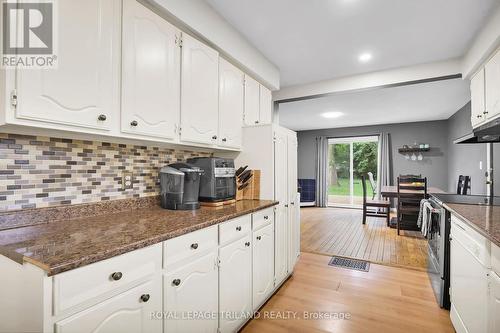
180 186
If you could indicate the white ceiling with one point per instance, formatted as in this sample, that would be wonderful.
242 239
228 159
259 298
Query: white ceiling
419 102
312 40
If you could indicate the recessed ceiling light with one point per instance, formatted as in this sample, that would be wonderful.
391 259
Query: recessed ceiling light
332 114
365 57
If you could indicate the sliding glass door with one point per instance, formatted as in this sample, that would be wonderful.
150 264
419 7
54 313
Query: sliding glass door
348 159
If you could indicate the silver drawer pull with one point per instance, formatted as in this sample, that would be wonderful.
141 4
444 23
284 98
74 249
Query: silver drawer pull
145 298
194 246
116 276
176 282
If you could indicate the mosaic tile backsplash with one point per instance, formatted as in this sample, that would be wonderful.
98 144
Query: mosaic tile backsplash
44 172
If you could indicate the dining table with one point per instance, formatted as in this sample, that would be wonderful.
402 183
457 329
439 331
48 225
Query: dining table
390 191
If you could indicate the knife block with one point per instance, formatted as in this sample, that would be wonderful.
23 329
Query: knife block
252 190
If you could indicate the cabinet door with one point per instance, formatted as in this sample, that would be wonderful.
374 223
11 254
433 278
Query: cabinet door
231 100
494 303
84 89
150 73
235 284
190 291
468 283
266 106
252 101
492 83
199 92
263 264
281 213
477 92
128 312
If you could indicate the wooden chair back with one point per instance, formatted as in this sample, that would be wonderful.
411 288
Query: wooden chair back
363 184
463 185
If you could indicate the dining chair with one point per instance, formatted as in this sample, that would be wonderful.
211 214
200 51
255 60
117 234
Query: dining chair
409 203
373 184
383 204
463 185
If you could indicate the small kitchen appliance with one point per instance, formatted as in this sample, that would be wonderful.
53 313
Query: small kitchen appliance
180 185
218 182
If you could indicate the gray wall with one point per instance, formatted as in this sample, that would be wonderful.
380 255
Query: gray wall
435 163
464 159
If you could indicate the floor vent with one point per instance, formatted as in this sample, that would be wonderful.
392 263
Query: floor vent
359 265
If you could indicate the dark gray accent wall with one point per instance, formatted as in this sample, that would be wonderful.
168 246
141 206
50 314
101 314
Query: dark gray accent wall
442 165
464 159
434 165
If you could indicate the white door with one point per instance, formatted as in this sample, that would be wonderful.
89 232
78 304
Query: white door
281 213
252 101
199 92
266 106
150 73
263 265
128 312
84 89
494 303
477 92
189 291
492 82
235 284
292 186
468 285
231 103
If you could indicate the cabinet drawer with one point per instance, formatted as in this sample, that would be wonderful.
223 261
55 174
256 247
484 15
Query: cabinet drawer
473 242
189 246
88 283
234 229
262 218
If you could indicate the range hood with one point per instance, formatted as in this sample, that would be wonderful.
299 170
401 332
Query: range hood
489 132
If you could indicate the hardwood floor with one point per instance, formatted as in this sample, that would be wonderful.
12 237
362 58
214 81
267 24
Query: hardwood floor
385 299
339 231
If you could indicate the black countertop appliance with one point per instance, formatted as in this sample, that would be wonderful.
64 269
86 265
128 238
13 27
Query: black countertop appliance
180 185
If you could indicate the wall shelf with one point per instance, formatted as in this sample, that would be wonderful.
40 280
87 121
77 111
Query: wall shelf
412 150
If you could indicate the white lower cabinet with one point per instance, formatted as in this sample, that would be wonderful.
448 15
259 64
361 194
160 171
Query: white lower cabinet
263 264
235 284
210 281
130 311
494 303
190 296
469 259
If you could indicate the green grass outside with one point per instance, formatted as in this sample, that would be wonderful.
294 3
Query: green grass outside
343 189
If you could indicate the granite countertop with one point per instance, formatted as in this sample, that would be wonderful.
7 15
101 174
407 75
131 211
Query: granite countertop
484 219
66 244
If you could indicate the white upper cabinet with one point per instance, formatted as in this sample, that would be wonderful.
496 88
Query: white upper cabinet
84 89
150 73
199 92
252 101
258 103
231 93
492 82
477 90
266 106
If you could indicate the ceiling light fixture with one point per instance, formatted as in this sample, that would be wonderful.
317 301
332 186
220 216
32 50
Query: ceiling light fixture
365 57
332 114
